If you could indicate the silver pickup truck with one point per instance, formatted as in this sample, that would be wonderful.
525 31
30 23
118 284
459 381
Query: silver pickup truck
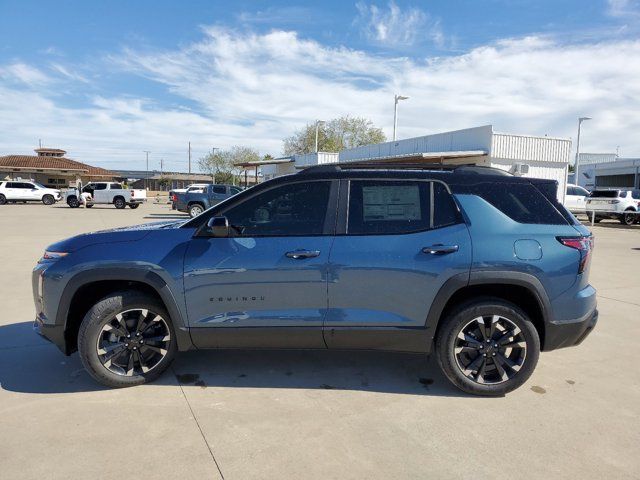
106 193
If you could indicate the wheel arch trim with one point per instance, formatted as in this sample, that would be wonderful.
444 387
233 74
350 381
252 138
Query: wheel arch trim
128 274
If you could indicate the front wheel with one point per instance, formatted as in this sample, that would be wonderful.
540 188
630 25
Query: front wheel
48 199
126 339
3 199
73 202
195 210
489 347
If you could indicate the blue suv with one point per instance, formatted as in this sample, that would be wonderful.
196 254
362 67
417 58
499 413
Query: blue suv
481 268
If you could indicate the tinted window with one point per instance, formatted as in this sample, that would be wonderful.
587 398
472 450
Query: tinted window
445 211
116 186
635 194
581 191
604 193
521 202
571 191
219 189
100 186
295 209
378 207
234 190
10 185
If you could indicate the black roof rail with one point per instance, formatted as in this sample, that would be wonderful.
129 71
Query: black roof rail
467 167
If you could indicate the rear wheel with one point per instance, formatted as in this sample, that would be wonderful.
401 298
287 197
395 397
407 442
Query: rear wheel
73 202
195 210
489 347
126 339
48 199
119 203
3 199
628 218
134 205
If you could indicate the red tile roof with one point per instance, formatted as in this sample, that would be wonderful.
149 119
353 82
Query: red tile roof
52 163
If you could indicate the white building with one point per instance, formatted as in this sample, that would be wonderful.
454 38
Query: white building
529 156
607 170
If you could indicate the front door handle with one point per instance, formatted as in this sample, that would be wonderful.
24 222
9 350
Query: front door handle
302 254
440 249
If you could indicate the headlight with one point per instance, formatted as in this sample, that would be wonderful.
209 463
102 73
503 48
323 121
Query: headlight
52 256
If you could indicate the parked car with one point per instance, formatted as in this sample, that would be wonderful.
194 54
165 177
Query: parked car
481 268
173 194
195 202
622 205
106 193
575 198
27 191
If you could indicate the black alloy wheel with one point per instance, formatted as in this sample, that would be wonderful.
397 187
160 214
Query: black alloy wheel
490 349
133 342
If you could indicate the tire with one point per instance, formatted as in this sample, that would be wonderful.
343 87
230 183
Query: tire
628 217
3 199
48 199
597 219
102 331
195 210
89 205
462 362
133 206
119 203
73 202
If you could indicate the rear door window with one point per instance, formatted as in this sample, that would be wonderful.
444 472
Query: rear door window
219 189
445 210
116 186
100 186
388 207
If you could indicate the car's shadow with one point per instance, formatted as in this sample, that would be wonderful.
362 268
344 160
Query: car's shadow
29 364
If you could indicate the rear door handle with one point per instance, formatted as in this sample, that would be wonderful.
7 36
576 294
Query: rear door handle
302 254
440 249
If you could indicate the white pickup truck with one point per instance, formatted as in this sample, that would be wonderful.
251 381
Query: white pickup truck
106 193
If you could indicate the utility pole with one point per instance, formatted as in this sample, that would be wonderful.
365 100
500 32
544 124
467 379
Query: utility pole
161 162
318 123
146 178
39 143
189 158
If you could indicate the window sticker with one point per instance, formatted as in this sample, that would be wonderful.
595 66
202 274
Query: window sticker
396 202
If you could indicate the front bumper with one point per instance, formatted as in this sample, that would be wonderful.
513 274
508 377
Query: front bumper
52 333
569 333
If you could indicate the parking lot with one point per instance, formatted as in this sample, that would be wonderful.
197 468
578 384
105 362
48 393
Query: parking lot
284 414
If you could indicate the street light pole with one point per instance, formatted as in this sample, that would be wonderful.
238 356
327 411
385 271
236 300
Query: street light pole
577 162
146 179
397 98
318 123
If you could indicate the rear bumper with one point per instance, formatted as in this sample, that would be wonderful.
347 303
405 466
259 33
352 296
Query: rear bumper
569 333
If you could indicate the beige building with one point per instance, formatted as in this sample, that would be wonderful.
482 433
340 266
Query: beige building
50 168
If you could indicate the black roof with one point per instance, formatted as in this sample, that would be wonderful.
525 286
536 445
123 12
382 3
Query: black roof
450 174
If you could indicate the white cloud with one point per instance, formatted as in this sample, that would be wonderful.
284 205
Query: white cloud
64 71
256 89
22 73
395 27
624 8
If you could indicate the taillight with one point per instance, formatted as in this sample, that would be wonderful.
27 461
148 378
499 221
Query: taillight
583 244
174 198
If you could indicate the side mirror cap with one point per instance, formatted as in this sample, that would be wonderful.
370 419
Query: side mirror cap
216 227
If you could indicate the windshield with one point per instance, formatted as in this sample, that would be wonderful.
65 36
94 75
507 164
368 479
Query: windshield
38 185
605 193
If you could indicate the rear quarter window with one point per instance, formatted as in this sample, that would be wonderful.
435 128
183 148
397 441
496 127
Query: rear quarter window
522 202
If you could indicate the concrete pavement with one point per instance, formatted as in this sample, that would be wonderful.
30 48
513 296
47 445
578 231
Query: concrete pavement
252 414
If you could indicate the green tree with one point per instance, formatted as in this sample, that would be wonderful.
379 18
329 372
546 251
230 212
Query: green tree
334 136
221 165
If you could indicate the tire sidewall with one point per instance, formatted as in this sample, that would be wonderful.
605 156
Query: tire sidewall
119 203
73 202
3 199
104 311
48 199
447 335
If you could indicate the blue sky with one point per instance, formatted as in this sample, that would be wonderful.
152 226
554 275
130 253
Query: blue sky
107 80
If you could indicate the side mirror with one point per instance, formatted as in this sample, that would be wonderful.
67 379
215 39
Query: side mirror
216 227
